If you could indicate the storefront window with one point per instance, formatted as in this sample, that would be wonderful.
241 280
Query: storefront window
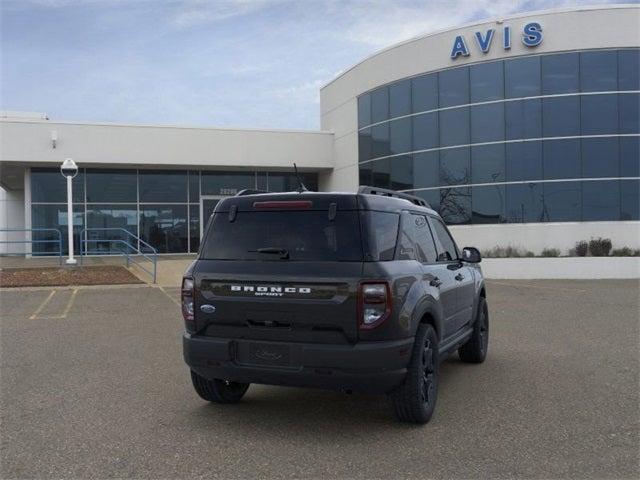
109 186
163 186
165 227
49 186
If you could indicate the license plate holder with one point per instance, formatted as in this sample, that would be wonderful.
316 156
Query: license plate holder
263 353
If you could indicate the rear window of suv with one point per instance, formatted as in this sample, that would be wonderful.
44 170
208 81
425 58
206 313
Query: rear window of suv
307 235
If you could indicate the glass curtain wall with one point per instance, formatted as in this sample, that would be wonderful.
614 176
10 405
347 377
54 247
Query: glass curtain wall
161 207
545 138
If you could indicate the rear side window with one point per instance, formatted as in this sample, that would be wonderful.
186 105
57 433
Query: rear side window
381 234
447 250
416 242
304 235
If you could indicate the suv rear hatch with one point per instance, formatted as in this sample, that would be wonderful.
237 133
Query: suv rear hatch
282 267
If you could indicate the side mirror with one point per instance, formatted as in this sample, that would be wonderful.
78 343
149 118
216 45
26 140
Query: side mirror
471 255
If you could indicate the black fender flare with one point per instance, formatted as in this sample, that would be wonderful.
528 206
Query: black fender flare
428 306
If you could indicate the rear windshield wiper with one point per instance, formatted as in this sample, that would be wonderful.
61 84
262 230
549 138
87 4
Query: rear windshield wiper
283 252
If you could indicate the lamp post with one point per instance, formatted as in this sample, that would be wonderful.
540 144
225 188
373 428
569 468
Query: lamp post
69 170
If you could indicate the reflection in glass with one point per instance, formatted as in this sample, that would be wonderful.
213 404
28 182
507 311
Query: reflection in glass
366 174
600 157
118 186
194 227
599 114
380 140
425 131
287 182
629 113
364 110
49 186
114 218
487 81
381 173
226 183
488 204
562 202
599 71
630 157
454 166
400 135
453 87
194 186
455 205
523 119
432 197
165 227
426 169
523 161
561 116
488 164
454 127
379 104
400 99
560 73
487 123
630 199
629 69
561 159
522 77
600 200
402 172
364 145
163 186
54 216
524 203
424 93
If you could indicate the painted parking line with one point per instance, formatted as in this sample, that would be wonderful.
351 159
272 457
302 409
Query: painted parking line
169 295
37 315
42 305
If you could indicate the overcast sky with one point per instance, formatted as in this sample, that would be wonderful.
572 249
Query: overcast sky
244 63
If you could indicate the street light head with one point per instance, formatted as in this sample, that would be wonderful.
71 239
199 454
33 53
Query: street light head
69 169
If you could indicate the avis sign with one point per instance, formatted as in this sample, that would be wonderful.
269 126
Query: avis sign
531 37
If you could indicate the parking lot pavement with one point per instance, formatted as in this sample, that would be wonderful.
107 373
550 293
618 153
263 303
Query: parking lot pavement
94 386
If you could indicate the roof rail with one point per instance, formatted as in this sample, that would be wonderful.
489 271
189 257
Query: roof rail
392 193
249 191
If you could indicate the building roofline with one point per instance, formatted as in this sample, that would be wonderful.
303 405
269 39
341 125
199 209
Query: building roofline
168 126
481 22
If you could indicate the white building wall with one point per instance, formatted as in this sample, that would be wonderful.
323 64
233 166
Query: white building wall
11 217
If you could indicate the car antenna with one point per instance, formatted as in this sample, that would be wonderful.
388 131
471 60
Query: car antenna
301 187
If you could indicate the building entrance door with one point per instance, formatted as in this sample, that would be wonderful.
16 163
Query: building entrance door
207 204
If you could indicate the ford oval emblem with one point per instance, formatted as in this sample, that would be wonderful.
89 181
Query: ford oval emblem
207 308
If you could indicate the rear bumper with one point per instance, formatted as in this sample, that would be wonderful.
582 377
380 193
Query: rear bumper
367 367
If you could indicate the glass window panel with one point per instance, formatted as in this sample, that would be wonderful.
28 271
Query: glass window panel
194 186
455 166
364 110
163 186
560 73
629 69
523 161
115 218
487 164
488 204
400 98
432 197
416 241
487 81
364 144
380 104
380 141
402 172
165 227
630 200
630 156
366 174
424 93
522 77
454 127
381 173
455 205
262 181
287 182
487 123
524 203
400 135
194 227
561 159
561 116
425 131
599 114
453 86
599 71
629 113
523 119
600 200
600 157
426 169
112 186
562 202
49 186
53 216
226 183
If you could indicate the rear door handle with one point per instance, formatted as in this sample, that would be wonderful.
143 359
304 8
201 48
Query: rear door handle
459 277
435 282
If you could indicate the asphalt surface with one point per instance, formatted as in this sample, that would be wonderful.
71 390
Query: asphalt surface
94 386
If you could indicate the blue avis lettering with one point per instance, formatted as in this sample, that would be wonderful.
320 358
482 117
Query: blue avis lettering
531 37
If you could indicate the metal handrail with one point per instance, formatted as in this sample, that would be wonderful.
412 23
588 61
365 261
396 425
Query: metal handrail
32 241
151 256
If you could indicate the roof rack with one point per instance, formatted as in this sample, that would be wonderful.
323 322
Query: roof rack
392 193
249 191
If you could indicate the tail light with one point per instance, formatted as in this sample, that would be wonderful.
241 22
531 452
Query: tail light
374 304
187 304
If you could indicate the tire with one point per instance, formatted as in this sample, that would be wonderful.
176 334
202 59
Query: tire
415 400
475 350
218 391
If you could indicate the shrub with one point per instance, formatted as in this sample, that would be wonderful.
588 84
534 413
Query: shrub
581 248
506 252
550 252
600 247
625 252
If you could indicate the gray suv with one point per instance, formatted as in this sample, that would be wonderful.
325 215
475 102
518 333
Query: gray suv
363 292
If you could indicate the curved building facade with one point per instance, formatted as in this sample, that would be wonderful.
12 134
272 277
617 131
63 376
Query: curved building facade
528 120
